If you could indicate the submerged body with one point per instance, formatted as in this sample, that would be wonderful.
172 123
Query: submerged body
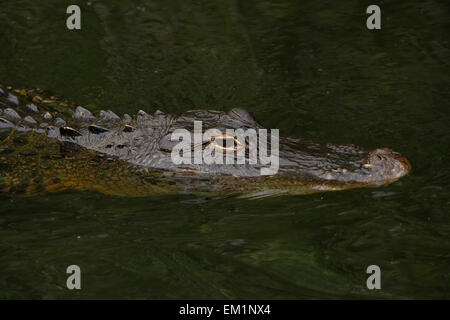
50 145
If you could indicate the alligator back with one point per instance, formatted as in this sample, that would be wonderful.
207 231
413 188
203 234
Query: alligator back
32 161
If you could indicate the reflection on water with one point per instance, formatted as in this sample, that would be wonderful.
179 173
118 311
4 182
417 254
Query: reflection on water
310 69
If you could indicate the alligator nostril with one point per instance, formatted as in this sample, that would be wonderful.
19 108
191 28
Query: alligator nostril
380 154
374 158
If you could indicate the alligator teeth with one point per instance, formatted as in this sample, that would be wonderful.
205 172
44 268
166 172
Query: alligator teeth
128 128
126 118
59 122
96 129
82 114
33 107
47 116
108 116
29 120
5 123
68 131
11 114
13 99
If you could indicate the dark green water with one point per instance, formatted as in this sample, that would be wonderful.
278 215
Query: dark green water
309 68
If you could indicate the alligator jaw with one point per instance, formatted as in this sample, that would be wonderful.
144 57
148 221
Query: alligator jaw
381 166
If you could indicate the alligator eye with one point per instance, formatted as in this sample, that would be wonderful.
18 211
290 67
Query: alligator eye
226 143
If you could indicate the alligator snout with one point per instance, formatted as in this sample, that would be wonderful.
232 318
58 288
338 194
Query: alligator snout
386 164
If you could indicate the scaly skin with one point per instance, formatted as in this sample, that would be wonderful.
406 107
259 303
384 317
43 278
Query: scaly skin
67 148
34 164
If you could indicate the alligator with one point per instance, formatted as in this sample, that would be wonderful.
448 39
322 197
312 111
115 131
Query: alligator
51 145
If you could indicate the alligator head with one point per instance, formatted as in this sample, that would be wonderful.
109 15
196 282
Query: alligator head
303 166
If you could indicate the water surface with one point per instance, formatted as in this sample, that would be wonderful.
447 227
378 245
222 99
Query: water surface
309 68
